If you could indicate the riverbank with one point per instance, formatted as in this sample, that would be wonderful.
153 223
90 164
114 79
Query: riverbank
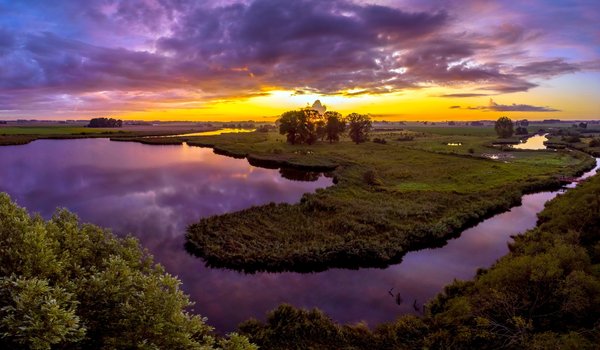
388 199
542 295
21 135
415 190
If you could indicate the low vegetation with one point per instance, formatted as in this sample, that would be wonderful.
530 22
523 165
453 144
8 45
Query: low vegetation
20 135
66 285
545 294
388 199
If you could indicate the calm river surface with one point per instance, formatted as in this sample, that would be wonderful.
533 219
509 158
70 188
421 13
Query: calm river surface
154 192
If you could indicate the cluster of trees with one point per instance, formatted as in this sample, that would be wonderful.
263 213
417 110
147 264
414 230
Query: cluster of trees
105 123
64 285
238 125
306 126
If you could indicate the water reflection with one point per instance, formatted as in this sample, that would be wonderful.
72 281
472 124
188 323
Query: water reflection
155 191
533 143
213 132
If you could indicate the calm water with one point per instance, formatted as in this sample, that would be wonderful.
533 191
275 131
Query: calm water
212 132
533 143
154 192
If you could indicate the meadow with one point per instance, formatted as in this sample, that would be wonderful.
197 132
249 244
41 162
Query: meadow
387 199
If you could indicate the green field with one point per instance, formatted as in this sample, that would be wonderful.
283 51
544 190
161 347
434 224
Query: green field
21 135
455 130
388 198
53 130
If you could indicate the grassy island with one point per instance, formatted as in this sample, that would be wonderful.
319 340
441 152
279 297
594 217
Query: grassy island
412 191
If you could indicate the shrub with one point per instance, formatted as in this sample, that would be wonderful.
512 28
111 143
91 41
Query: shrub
65 285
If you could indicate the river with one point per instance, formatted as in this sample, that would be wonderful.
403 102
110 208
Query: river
154 192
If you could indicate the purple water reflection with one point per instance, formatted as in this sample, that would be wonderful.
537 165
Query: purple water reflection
154 192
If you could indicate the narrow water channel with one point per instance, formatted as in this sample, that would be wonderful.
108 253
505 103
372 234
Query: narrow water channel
154 192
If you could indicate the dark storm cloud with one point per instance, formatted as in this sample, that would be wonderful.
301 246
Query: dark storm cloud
231 49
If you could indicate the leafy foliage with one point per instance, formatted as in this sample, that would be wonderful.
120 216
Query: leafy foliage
335 126
72 286
504 127
359 126
301 126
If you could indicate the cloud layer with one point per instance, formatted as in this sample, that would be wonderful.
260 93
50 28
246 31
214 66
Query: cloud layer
493 106
117 55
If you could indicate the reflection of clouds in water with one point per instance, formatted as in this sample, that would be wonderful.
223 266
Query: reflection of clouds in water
155 192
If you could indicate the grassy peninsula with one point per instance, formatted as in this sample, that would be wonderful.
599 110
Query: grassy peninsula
543 295
413 191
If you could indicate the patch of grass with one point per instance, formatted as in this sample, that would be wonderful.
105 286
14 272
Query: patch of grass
24 134
388 199
53 130
455 130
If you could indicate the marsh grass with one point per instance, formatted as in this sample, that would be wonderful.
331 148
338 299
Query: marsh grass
388 199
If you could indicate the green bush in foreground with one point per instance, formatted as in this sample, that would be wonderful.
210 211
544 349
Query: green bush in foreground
72 286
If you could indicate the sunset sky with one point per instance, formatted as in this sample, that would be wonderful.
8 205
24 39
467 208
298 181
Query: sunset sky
254 59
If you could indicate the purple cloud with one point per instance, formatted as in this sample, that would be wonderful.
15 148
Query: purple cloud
123 55
493 106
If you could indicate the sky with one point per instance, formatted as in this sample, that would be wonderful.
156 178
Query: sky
254 59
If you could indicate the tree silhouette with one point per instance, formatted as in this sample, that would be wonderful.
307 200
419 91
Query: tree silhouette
335 125
301 126
504 127
359 125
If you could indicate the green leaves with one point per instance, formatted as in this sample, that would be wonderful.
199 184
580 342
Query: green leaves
72 286
36 315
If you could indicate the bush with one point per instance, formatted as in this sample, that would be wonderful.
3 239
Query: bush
380 140
405 138
595 142
65 285
370 178
572 138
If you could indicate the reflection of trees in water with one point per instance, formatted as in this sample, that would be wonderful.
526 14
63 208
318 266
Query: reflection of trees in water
299 175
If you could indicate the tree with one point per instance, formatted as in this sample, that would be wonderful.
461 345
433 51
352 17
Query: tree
301 126
359 125
335 125
67 285
289 125
310 120
504 127
521 131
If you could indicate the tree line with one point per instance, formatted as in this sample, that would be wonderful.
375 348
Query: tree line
105 123
307 126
